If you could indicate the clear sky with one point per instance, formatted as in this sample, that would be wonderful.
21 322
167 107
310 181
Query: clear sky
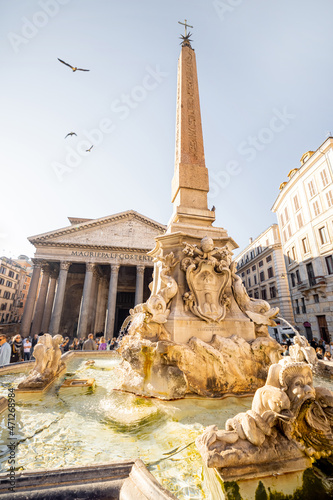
265 80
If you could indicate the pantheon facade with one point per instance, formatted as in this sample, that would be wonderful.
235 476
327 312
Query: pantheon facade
90 274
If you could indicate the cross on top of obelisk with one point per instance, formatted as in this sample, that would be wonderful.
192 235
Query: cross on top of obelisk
186 25
186 38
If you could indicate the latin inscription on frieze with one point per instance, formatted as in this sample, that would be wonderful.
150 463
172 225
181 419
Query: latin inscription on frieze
111 255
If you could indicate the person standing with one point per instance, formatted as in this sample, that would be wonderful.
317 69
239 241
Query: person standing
90 344
102 345
17 350
5 351
27 348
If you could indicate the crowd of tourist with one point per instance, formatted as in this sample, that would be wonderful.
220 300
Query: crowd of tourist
15 349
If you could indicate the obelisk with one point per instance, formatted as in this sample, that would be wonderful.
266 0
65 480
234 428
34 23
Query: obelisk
190 183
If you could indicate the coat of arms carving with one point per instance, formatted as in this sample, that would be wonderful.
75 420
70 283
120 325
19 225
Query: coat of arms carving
207 274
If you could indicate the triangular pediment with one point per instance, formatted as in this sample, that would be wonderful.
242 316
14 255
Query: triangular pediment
124 230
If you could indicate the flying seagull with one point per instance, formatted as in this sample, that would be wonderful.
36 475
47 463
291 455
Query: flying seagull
74 68
71 133
88 150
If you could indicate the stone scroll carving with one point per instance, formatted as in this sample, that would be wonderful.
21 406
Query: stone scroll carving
290 421
259 311
148 318
48 362
207 274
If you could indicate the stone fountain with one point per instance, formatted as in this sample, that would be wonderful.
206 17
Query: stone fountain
199 332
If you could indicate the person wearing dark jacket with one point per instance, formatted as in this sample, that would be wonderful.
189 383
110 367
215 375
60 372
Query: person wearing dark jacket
17 350
90 344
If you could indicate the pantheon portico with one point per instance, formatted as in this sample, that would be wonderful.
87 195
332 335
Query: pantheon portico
90 273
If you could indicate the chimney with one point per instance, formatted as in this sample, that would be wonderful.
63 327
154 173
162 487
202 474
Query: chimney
250 240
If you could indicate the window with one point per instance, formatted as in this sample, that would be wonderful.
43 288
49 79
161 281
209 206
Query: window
288 257
269 258
305 245
296 306
296 203
299 221
311 189
272 292
282 220
289 231
2 270
316 208
324 179
261 263
248 271
23 295
284 236
262 276
13 296
243 274
252 254
298 276
11 274
329 264
3 307
270 272
286 214
329 198
303 305
293 252
323 235
250 295
2 281
16 277
256 294
263 294
316 298
292 276
311 275
244 283
249 282
9 284
24 287
253 268
6 295
255 279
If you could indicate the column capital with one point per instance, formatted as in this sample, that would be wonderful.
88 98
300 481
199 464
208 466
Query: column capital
38 263
90 267
140 269
54 274
115 268
65 265
46 268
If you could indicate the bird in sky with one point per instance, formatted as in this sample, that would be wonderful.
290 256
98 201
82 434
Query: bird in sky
71 133
74 68
88 150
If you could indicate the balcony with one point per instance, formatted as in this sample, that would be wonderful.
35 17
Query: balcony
315 283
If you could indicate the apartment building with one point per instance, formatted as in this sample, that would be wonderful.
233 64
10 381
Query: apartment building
12 279
261 265
304 209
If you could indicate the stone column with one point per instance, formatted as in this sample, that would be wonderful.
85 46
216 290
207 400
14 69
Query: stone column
93 302
140 274
84 315
102 297
49 302
38 316
59 298
30 302
112 299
